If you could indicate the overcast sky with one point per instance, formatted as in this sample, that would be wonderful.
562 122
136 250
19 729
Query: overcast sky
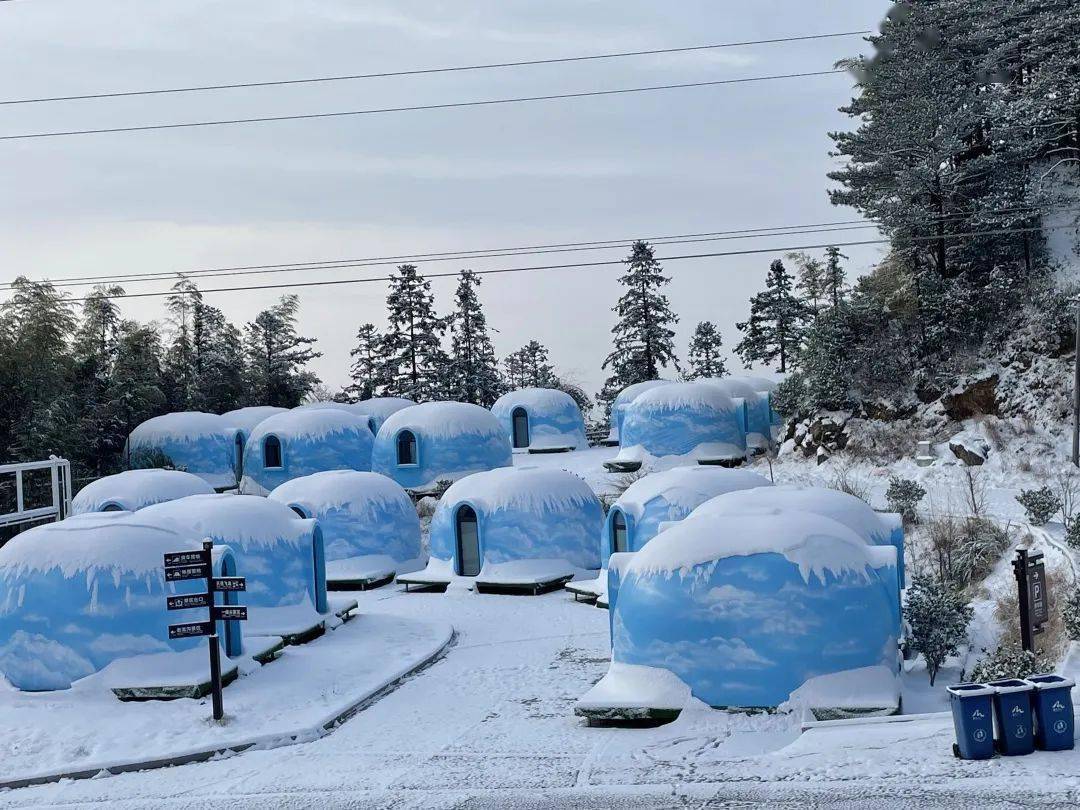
639 165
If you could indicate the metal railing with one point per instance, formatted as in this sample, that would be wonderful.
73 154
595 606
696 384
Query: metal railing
59 484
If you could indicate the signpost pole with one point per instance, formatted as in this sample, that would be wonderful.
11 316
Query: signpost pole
212 640
1020 566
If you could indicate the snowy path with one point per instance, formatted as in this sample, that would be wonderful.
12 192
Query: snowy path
492 725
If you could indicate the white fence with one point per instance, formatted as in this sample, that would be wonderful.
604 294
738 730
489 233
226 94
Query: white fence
60 485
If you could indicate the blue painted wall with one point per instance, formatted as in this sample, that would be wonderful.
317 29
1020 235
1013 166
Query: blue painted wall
523 514
199 443
453 439
624 398
683 419
312 440
555 420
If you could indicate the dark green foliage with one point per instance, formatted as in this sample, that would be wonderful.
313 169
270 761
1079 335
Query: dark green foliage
938 616
416 365
276 356
773 333
1039 504
529 367
705 353
1010 660
369 364
903 496
473 371
1071 614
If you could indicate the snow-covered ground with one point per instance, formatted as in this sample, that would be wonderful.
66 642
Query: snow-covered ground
491 725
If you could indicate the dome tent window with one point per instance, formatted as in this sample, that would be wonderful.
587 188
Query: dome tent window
618 532
406 448
521 428
468 542
272 453
239 454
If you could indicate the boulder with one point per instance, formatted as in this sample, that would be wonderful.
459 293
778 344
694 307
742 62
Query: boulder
971 451
977 398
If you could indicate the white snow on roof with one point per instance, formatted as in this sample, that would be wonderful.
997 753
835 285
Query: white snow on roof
686 487
540 399
134 489
631 392
247 418
184 426
735 387
118 542
840 506
816 544
677 396
336 489
444 420
308 423
524 488
382 407
249 519
761 384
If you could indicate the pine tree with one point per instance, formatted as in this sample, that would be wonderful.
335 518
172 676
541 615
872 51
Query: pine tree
777 319
415 361
529 367
704 356
217 360
180 373
811 283
137 387
514 365
644 341
938 616
368 364
832 280
97 437
826 370
473 371
276 355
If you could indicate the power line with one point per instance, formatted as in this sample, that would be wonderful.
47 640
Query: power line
502 252
430 71
575 265
296 268
420 107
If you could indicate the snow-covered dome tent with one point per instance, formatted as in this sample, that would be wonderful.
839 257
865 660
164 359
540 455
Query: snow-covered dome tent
370 527
758 415
81 593
200 443
245 419
541 420
374 411
875 528
301 442
766 388
439 441
133 490
280 553
520 529
623 399
746 611
651 504
694 421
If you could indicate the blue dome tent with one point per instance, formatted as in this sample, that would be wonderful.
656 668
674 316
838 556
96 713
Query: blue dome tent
514 529
758 423
370 527
619 405
747 610
81 593
693 421
133 490
200 443
541 420
280 553
439 441
652 502
301 442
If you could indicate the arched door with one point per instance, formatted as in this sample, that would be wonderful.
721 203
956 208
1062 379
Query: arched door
468 542
521 428
619 538
239 463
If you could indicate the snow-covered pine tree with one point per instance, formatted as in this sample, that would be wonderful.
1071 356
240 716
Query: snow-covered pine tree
705 352
823 363
415 361
832 278
98 437
938 616
529 367
514 369
368 366
644 341
777 320
217 359
811 284
180 374
137 387
474 371
276 355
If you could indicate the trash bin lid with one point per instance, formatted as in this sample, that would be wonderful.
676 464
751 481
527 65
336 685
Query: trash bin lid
969 690
1051 682
1009 685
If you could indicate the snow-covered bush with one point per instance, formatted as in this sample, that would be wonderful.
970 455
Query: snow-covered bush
788 396
1070 612
903 496
847 481
1039 504
1010 661
938 616
1072 534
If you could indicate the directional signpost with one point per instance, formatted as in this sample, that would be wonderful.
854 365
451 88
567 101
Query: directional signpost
185 565
1031 589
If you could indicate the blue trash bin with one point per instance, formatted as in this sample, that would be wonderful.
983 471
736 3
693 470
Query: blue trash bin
973 718
1014 716
1054 723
